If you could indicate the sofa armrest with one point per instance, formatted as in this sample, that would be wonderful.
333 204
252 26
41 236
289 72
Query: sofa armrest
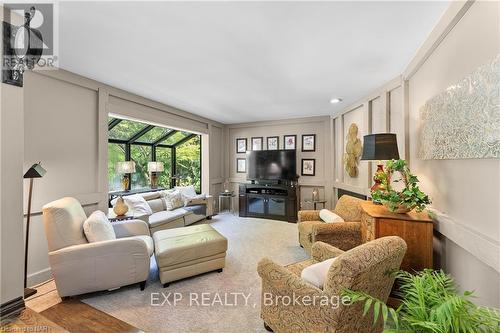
282 280
210 205
97 266
130 228
343 235
321 251
308 215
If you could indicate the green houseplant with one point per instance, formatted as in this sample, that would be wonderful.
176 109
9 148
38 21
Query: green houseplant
430 303
409 198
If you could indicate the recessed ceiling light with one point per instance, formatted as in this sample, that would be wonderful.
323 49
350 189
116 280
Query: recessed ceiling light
335 100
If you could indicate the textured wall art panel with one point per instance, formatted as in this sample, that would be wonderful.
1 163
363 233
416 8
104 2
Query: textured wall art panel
464 120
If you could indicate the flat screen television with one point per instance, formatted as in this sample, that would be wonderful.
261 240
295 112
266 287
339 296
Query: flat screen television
272 165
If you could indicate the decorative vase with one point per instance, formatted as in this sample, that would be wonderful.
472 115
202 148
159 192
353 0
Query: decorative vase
315 194
120 207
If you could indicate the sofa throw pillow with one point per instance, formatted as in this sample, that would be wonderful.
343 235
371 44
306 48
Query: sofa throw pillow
199 199
316 273
329 217
97 228
173 200
187 191
138 205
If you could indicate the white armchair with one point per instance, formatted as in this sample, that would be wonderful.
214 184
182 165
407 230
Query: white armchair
80 267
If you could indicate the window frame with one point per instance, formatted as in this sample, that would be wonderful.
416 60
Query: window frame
132 140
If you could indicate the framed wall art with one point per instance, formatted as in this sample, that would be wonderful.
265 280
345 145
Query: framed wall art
289 142
309 142
308 167
241 165
241 145
273 143
257 143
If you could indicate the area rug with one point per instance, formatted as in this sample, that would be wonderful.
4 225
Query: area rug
212 302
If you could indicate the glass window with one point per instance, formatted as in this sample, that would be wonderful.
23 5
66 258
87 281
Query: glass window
116 153
164 155
154 134
141 155
188 163
125 130
174 138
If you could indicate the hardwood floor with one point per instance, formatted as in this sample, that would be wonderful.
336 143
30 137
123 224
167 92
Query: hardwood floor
46 312
30 321
76 317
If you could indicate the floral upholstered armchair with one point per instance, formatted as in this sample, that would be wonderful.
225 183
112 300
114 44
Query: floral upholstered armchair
366 268
343 235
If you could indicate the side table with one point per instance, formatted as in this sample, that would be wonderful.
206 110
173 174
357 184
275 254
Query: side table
228 196
112 217
415 228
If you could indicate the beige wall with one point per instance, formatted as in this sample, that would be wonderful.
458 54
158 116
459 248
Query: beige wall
380 112
11 184
466 192
321 126
65 127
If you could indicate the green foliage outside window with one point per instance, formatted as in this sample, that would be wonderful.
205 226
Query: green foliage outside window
188 155
116 153
164 155
189 163
141 155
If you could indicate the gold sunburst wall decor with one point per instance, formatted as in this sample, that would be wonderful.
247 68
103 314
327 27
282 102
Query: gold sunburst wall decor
353 150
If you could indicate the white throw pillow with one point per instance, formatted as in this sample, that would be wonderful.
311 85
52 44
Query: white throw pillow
186 191
97 228
329 217
173 200
138 205
316 273
196 200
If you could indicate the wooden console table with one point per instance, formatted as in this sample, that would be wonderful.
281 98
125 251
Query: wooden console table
415 228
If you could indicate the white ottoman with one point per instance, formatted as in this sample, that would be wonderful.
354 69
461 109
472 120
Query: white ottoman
188 251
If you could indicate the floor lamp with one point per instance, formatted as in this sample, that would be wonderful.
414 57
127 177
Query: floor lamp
36 171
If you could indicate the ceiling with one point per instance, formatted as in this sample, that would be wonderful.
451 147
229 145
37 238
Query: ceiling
245 61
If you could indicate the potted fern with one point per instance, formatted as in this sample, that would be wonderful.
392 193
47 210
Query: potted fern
409 198
430 303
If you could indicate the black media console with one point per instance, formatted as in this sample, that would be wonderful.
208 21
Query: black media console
271 201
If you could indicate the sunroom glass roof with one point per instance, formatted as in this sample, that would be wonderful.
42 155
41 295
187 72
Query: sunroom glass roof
133 131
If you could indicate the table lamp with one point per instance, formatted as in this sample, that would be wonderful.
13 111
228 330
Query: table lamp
379 147
154 168
125 168
36 171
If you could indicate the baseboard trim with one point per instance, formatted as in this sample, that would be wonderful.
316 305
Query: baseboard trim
12 308
39 277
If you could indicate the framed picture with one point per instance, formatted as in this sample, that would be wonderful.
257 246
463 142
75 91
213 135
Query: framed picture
241 145
308 167
241 165
257 143
309 142
289 142
273 143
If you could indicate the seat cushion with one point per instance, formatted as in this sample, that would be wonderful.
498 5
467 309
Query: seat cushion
165 216
149 242
97 228
174 246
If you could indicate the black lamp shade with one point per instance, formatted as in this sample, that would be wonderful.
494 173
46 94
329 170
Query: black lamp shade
36 171
381 146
